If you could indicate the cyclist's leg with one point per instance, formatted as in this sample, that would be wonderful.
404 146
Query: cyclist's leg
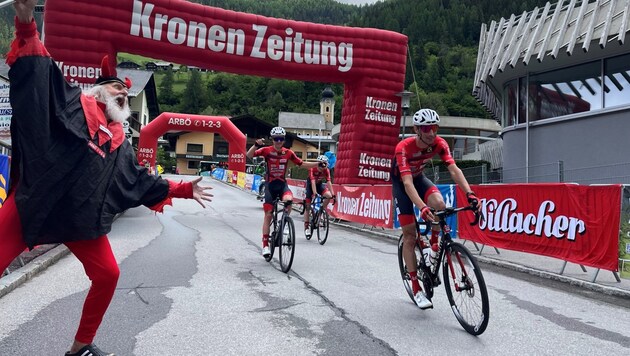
433 198
268 208
406 217
322 190
287 196
307 206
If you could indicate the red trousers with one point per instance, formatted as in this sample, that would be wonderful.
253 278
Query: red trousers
95 255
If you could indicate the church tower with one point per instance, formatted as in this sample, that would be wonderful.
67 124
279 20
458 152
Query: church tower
327 108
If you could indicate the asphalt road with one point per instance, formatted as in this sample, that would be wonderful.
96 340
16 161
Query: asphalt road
193 283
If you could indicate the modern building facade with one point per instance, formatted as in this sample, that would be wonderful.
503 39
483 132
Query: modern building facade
558 80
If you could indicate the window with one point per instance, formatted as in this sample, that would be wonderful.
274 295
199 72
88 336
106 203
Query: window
194 148
511 101
565 91
299 154
311 155
193 164
617 81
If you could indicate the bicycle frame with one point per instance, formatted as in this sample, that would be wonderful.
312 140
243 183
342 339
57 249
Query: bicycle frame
444 242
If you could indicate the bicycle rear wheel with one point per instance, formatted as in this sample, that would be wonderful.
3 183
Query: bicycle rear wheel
322 227
287 244
466 288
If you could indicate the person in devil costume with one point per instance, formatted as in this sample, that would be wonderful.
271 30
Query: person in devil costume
72 170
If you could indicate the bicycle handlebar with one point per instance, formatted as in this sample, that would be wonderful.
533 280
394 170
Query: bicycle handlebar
443 214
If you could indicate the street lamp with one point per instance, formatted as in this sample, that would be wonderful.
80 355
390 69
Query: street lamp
405 97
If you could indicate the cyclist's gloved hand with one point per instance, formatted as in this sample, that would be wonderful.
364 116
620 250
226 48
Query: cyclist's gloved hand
426 214
472 198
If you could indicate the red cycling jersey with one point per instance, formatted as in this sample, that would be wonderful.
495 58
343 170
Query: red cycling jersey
410 159
277 161
318 176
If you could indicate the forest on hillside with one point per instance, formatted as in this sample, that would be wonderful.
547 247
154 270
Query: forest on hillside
443 40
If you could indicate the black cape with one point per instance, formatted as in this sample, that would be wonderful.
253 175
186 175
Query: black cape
65 190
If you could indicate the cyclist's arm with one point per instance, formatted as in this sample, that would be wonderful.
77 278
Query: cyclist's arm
330 187
459 178
411 191
308 165
255 147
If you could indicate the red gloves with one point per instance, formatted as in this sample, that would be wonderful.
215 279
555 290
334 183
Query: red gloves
472 198
424 212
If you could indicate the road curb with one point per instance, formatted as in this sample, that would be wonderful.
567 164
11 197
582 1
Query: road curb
600 288
31 269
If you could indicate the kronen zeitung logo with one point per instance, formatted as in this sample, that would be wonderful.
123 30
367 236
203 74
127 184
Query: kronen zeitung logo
504 217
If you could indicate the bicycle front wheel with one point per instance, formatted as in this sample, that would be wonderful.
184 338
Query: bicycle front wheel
322 229
287 244
466 288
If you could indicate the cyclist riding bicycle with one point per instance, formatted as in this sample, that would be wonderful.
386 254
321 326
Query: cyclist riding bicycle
277 158
411 187
318 181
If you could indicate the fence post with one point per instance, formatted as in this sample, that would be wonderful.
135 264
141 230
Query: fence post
484 174
560 171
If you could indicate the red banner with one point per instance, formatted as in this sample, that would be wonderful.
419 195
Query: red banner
579 224
369 204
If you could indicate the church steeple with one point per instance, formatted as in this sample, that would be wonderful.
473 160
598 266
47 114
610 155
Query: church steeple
327 107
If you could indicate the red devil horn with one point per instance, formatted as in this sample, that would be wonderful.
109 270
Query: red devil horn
106 70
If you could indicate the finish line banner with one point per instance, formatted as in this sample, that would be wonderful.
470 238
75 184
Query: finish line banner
575 223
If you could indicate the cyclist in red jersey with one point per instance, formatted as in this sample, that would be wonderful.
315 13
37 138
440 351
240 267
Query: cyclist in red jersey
277 158
318 181
411 187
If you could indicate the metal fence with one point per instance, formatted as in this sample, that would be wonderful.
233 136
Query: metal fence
555 172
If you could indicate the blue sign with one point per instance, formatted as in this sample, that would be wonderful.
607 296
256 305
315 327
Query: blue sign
450 199
4 178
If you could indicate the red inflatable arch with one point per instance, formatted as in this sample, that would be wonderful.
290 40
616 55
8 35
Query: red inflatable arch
369 62
168 121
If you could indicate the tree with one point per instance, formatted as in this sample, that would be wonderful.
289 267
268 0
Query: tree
194 99
166 94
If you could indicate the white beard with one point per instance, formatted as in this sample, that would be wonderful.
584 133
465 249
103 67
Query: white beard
114 111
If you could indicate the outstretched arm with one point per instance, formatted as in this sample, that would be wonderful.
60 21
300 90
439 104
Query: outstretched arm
24 10
199 192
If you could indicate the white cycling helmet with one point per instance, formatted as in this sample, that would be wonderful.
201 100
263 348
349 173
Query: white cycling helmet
322 158
278 131
426 117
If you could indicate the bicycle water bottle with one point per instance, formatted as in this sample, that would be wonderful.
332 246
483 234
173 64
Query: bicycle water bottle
433 254
426 252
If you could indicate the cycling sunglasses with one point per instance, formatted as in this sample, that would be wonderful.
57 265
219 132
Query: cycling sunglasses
429 128
278 138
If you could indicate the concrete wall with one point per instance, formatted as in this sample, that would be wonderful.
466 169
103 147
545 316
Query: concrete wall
595 148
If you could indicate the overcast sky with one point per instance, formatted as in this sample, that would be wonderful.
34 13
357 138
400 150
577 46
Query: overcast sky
358 2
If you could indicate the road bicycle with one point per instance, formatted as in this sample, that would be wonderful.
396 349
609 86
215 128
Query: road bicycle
282 234
463 280
319 220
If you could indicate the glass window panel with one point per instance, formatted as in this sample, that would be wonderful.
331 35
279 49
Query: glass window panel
194 147
522 99
565 91
617 80
511 95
